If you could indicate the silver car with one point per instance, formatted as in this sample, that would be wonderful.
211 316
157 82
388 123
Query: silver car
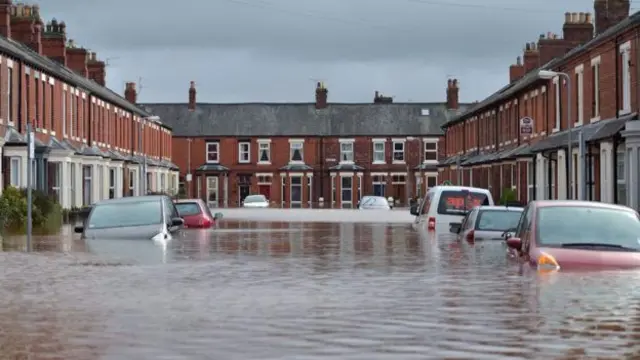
487 223
374 203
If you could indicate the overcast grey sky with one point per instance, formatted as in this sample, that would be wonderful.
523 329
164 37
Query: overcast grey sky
275 50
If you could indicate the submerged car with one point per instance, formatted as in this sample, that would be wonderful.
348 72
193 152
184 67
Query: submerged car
255 201
554 235
196 213
374 203
140 217
486 223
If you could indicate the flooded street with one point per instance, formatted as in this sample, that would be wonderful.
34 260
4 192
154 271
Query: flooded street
367 287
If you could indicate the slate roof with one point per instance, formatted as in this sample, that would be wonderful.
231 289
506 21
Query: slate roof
31 58
303 119
532 77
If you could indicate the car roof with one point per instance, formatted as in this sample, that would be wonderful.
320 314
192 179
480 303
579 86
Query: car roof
458 188
131 199
501 207
596 204
188 200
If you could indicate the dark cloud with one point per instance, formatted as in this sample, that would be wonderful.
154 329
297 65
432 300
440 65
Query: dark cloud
272 50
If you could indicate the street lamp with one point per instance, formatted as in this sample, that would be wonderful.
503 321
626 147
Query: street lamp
548 75
143 173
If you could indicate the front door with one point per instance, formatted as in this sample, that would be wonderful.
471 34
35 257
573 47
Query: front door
296 192
212 191
346 190
243 192
265 190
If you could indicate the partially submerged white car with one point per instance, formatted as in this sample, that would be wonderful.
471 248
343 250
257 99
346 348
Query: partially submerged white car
255 201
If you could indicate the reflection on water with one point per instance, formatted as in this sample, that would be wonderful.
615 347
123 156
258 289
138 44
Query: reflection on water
301 290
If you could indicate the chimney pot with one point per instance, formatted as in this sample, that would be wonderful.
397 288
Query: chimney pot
519 61
583 18
567 18
587 18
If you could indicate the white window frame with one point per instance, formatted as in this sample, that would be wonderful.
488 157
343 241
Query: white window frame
264 145
383 151
112 186
347 146
530 179
556 85
427 142
579 70
394 151
56 187
595 82
625 54
296 144
346 204
209 151
244 152
15 163
64 113
133 179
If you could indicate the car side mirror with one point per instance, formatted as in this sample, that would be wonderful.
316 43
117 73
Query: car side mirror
78 229
413 210
514 243
454 228
217 215
508 233
177 221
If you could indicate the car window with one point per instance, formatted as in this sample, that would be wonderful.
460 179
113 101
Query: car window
188 208
558 225
470 219
426 203
458 202
170 210
122 214
375 201
497 220
255 199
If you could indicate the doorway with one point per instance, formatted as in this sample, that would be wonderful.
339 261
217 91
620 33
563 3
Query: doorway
264 185
399 184
244 187
346 190
379 185
296 192
212 191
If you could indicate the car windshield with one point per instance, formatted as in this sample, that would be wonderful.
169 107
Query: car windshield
124 214
561 225
255 199
497 220
459 202
374 201
188 208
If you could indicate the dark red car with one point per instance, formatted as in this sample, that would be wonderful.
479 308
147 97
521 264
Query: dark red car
556 234
195 213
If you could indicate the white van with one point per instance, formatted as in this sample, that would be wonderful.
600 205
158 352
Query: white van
447 204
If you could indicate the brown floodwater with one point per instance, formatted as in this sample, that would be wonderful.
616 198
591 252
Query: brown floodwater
305 285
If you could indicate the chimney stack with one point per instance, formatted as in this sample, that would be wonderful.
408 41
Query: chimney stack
26 26
54 40
381 99
531 57
610 12
96 68
77 58
5 18
452 94
516 71
130 93
577 28
321 96
192 96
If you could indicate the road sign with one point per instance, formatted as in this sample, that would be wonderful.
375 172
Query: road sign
526 126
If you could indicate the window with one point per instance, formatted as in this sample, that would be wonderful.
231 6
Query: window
625 56
346 190
138 213
38 120
10 95
432 181
595 89
112 183
398 151
64 112
458 202
87 196
264 152
132 182
621 176
556 84
55 174
497 220
379 184
580 95
296 151
346 152
244 152
213 153
530 188
430 151
188 208
15 172
378 152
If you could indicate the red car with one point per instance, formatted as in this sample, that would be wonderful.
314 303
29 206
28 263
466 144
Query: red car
557 234
195 213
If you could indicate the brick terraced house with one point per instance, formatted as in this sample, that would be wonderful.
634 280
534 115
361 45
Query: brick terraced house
86 135
485 147
298 154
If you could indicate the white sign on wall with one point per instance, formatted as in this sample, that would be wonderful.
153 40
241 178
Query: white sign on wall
526 126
